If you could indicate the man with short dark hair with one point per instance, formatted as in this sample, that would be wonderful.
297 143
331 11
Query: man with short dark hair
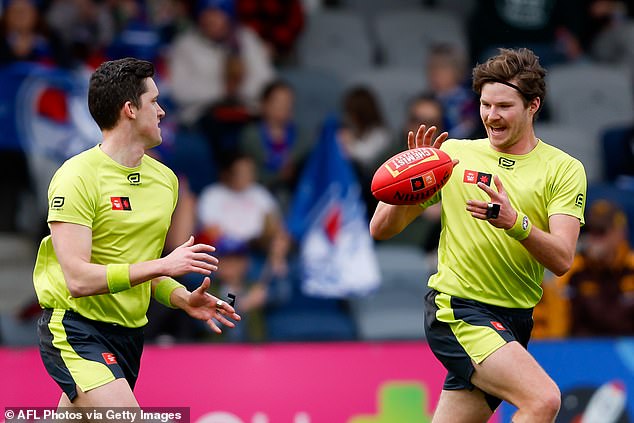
109 211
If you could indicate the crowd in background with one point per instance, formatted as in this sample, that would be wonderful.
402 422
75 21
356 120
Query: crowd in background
233 138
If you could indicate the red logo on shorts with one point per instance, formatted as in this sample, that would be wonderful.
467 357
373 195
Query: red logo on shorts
498 325
109 358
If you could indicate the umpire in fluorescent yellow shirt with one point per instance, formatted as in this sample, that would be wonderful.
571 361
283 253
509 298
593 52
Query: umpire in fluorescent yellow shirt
109 211
512 207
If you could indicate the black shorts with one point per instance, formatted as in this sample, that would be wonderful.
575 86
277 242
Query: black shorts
77 351
460 332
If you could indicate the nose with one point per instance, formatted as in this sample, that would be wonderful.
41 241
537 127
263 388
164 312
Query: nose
493 114
161 112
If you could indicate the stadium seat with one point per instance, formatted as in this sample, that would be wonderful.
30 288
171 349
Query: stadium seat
41 169
394 87
337 41
16 332
317 94
579 143
460 8
395 310
293 316
309 325
404 35
614 142
17 257
379 6
614 45
192 157
588 96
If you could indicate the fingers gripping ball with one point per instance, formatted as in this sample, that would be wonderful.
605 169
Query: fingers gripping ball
412 176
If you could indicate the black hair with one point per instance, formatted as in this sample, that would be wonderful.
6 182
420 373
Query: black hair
113 84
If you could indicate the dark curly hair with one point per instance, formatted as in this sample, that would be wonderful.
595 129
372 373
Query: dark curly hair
113 84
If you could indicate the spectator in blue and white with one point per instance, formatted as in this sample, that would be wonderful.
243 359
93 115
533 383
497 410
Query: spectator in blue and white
277 142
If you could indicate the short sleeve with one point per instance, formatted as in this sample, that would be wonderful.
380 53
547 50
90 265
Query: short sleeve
72 196
569 187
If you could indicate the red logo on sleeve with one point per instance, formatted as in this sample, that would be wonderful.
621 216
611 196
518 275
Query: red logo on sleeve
120 203
498 326
109 358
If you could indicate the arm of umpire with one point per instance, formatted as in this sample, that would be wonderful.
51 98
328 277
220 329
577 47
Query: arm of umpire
555 248
73 246
390 220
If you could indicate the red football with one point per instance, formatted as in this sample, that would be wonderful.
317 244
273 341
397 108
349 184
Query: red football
412 176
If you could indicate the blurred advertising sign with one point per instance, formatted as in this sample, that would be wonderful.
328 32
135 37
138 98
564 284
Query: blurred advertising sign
274 383
395 382
595 376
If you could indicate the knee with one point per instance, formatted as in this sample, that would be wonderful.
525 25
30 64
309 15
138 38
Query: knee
552 402
546 407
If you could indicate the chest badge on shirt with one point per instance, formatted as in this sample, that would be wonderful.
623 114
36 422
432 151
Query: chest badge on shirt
506 163
473 177
120 203
134 178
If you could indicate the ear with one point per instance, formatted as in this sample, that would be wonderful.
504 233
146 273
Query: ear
533 106
129 110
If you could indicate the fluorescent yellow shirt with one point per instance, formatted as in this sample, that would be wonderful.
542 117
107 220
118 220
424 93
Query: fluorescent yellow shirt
129 211
480 262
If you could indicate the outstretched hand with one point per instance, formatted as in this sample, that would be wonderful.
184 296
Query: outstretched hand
203 306
507 215
190 258
425 138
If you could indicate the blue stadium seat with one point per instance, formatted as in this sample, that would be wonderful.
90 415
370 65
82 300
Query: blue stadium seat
293 316
192 157
614 154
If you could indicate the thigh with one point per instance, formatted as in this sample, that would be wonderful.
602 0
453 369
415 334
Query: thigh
512 374
113 394
463 406
460 332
